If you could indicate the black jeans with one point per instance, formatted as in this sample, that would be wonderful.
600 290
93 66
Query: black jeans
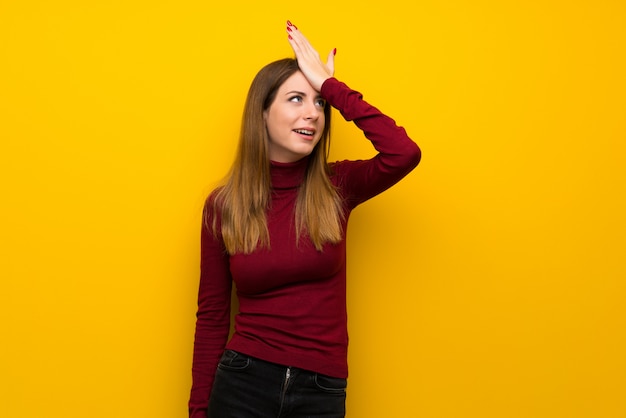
246 387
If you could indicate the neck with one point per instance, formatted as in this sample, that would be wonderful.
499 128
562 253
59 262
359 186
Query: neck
288 175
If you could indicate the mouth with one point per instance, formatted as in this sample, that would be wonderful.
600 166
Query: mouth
308 133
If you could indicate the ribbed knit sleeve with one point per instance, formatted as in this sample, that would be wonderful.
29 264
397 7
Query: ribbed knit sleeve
397 153
213 316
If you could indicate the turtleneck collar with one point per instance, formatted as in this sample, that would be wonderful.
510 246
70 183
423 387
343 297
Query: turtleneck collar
288 175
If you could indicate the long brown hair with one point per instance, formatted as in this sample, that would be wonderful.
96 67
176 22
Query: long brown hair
244 199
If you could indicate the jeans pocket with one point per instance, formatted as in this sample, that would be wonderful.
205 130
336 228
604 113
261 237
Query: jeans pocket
234 361
330 384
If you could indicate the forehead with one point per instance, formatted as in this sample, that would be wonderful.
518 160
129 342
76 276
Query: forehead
297 82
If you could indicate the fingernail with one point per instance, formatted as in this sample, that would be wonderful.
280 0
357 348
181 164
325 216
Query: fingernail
289 23
335 51
288 28
290 38
295 26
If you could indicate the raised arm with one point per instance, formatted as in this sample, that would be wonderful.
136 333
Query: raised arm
397 153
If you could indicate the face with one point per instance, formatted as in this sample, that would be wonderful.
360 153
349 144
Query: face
295 120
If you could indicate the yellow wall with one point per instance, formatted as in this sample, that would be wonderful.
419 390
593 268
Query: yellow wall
489 283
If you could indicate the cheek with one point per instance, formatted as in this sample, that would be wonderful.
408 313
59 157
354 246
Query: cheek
322 121
318 140
322 124
277 120
273 126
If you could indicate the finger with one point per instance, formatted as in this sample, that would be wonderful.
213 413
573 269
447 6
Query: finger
299 42
295 40
309 60
330 62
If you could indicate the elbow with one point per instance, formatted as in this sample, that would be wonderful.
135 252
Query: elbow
414 155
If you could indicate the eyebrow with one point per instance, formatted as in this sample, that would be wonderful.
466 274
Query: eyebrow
301 93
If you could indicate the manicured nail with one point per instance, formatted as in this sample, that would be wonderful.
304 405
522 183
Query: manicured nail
290 38
335 51
288 28
289 23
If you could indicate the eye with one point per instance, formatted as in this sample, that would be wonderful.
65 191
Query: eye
321 103
296 99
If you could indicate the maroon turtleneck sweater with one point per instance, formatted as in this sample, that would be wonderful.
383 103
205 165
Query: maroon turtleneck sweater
292 299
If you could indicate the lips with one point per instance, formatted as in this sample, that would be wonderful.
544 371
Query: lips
307 132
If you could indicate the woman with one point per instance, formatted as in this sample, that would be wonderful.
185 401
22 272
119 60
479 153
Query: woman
277 228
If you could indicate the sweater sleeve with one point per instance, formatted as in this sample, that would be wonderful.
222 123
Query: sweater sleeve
212 318
397 154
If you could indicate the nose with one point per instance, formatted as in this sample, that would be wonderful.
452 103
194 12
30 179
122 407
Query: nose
312 112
